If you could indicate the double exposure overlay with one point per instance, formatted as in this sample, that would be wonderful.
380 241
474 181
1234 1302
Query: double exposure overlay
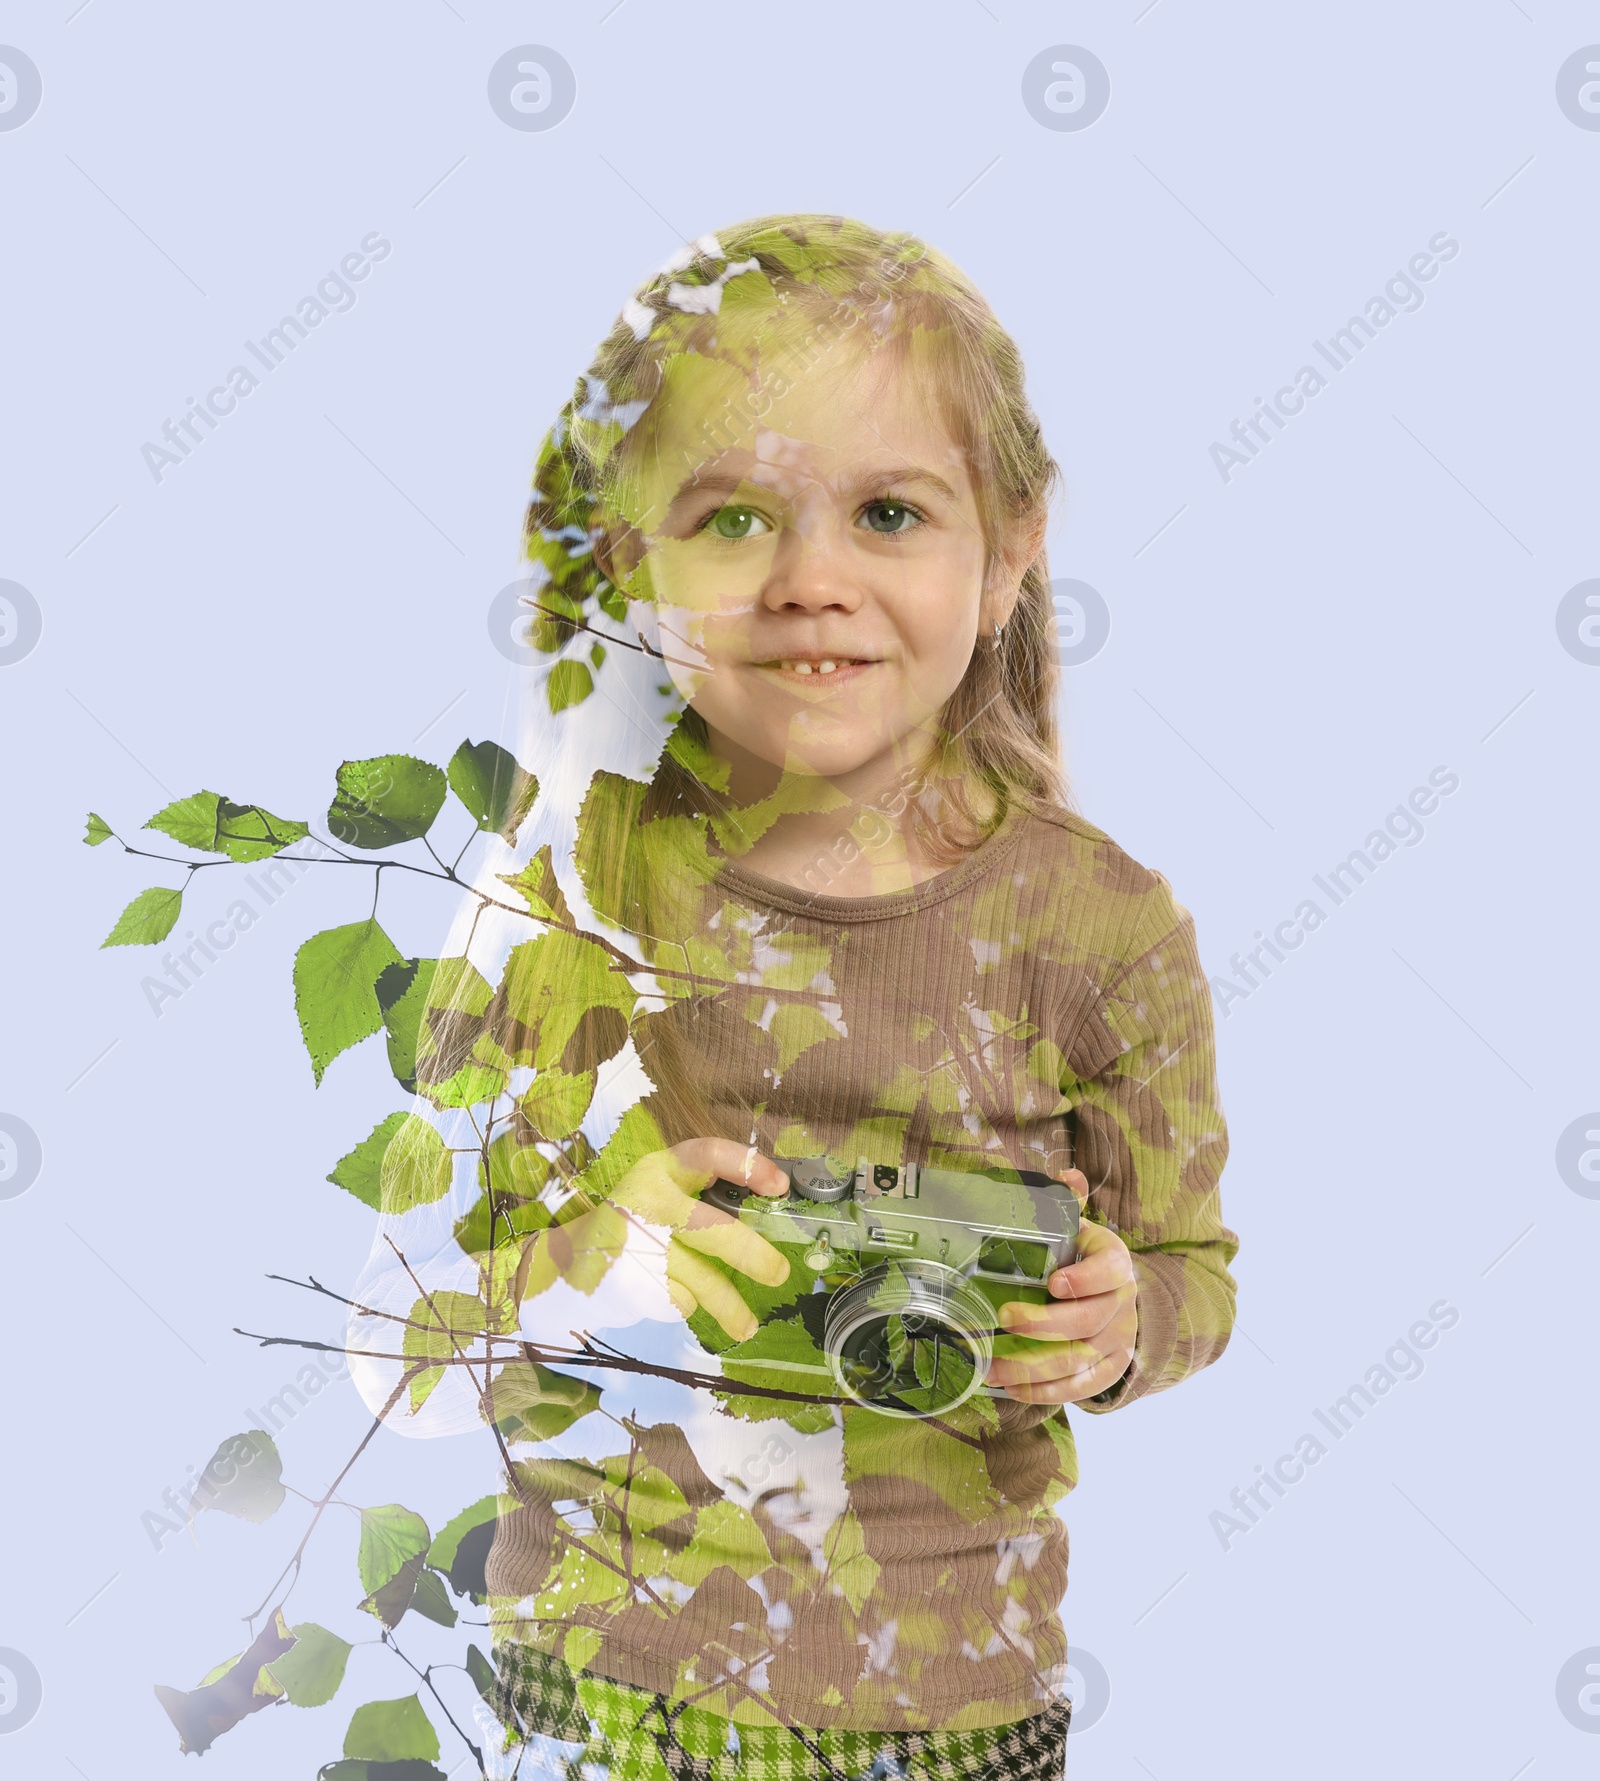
810 1106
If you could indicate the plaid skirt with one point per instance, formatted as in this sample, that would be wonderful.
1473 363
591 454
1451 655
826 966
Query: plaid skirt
589 1728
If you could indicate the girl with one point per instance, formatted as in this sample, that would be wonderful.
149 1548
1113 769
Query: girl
805 883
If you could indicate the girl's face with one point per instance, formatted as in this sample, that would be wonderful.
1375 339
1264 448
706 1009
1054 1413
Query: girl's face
815 556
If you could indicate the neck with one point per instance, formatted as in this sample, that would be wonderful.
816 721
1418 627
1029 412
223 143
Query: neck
849 834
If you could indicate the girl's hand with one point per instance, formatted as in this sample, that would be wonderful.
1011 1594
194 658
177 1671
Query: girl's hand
664 1188
1082 1344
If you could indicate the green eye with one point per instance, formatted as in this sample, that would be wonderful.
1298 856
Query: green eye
736 522
890 516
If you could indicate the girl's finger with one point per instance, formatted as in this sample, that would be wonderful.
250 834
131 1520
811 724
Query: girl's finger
1078 1182
651 1189
697 1162
1065 1321
1076 1386
712 1291
740 1247
1103 1265
1041 1362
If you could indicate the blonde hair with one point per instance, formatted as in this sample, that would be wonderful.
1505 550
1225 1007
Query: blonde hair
827 275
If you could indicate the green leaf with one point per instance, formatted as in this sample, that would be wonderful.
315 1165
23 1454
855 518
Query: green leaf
416 1167
402 992
334 974
472 1084
796 1028
851 1568
210 823
650 876
482 1675
459 987
242 1686
570 683
692 753
390 1603
778 1338
549 985
432 1010
244 1477
393 1542
461 1548
540 891
779 1356
724 1534
442 1325
310 1674
431 1601
514 1167
385 800
360 1171
508 1218
147 920
247 832
547 1421
96 830
191 821
446 1547
494 786
555 1104
532 1403
391 1536
391 1731
900 1447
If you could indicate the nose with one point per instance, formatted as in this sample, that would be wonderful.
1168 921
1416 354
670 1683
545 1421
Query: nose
812 570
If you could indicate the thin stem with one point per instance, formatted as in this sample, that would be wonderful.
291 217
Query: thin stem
610 638
299 1551
593 1353
426 1677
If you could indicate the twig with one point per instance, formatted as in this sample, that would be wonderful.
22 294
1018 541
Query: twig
607 637
299 1551
427 1679
592 1353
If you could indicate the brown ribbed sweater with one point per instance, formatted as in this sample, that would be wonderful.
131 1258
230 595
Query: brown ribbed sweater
1041 1004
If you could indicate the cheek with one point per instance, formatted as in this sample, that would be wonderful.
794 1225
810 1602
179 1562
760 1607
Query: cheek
937 618
699 578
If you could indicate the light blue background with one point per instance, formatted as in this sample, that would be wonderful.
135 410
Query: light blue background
1366 601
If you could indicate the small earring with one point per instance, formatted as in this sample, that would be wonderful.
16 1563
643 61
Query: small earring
999 635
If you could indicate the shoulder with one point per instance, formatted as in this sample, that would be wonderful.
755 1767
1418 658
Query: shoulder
1129 905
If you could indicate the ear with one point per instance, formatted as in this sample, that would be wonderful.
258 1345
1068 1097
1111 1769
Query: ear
1007 568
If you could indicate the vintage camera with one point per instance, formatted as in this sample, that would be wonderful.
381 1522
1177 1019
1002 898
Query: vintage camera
918 1261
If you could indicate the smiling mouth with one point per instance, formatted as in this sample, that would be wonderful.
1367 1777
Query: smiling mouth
813 667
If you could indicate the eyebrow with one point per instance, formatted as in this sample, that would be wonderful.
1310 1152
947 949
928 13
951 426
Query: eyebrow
725 482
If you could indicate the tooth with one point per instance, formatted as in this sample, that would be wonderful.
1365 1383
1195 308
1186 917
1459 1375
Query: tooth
802 667
826 667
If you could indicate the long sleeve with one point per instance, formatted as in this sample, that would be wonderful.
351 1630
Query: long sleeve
1151 1138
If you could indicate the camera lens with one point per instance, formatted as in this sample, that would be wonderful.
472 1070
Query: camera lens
908 1339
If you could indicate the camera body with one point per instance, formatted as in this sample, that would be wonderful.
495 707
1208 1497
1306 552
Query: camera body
917 1262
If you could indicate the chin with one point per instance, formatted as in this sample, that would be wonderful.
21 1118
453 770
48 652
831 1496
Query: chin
830 763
